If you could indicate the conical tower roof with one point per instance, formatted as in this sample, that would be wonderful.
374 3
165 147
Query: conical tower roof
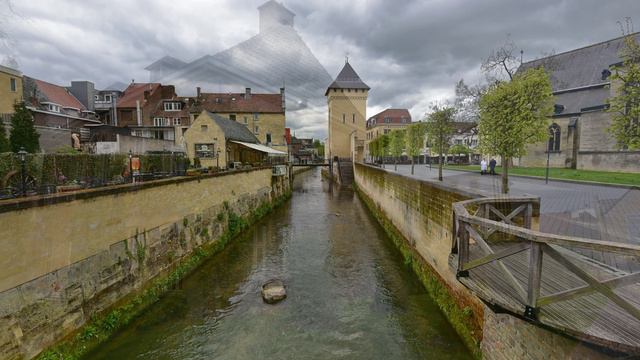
347 79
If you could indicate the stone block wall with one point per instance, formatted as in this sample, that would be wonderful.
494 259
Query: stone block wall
54 284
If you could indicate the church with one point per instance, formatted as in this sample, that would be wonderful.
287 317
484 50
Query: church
579 136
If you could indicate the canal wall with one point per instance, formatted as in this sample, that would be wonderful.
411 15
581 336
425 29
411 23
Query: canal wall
112 251
418 216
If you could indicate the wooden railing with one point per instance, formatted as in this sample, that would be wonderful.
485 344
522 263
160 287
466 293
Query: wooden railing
508 221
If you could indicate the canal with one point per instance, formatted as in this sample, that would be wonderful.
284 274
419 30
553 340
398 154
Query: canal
349 294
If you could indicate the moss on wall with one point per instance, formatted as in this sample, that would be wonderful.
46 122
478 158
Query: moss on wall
466 318
103 325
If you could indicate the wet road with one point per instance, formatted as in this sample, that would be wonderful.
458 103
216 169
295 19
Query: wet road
349 294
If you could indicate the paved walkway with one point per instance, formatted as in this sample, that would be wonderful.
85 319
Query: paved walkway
589 211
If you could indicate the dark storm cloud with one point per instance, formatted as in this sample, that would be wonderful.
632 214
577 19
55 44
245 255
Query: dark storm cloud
410 52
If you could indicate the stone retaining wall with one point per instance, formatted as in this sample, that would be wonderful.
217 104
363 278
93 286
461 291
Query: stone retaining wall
68 260
421 212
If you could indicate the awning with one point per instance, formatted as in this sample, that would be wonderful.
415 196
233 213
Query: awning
261 148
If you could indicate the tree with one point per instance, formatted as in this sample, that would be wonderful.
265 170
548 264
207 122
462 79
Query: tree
23 133
625 105
502 62
514 114
459 149
439 128
5 146
396 145
381 147
466 101
414 139
319 148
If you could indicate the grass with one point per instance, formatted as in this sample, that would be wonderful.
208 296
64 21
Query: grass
567 174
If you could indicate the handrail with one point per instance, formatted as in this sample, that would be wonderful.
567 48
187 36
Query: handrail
538 244
461 212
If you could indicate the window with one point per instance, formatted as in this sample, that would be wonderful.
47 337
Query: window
256 116
172 106
232 117
96 97
387 120
386 131
53 108
158 134
14 85
107 98
159 121
246 120
256 129
343 117
176 121
554 138
204 150
204 128
268 138
353 118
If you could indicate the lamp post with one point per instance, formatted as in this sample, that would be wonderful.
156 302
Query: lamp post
23 171
218 158
552 137
131 165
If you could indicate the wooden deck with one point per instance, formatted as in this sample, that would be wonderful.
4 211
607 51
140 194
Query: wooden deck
556 286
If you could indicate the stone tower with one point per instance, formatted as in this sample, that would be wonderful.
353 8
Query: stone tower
347 102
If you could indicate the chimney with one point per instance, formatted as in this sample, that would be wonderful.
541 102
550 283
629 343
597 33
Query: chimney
284 107
146 94
247 93
198 92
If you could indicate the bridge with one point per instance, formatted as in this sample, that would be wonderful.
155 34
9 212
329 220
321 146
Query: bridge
312 165
542 277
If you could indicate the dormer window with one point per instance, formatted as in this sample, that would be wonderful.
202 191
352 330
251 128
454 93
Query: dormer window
172 106
52 107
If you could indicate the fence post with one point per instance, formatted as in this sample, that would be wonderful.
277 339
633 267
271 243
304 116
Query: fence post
463 249
535 274
528 215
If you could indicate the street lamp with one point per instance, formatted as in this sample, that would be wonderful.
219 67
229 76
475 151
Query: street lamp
552 136
23 172
218 158
131 165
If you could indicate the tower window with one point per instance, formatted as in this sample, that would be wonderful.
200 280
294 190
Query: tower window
343 118
353 119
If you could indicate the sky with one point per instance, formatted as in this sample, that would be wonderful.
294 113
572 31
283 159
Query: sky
410 52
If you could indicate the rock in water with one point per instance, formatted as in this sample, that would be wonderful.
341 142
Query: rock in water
273 291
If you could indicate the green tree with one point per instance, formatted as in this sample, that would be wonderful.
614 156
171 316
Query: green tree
23 133
625 105
396 145
319 148
381 147
514 114
459 149
439 128
414 140
5 146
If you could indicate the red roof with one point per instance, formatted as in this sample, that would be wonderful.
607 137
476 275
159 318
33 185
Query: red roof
135 92
58 95
395 117
230 103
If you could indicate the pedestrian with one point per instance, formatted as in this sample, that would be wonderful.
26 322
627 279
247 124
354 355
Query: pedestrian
492 166
483 167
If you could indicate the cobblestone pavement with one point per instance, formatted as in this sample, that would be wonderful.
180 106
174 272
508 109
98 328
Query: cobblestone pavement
589 211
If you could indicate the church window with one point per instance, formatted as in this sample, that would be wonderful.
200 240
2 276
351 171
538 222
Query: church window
353 119
554 138
343 118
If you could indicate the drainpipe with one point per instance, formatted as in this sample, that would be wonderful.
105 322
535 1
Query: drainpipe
114 107
138 114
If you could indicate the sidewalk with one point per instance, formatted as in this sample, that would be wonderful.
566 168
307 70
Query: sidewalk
591 211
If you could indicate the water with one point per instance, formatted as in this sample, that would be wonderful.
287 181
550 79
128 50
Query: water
349 295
